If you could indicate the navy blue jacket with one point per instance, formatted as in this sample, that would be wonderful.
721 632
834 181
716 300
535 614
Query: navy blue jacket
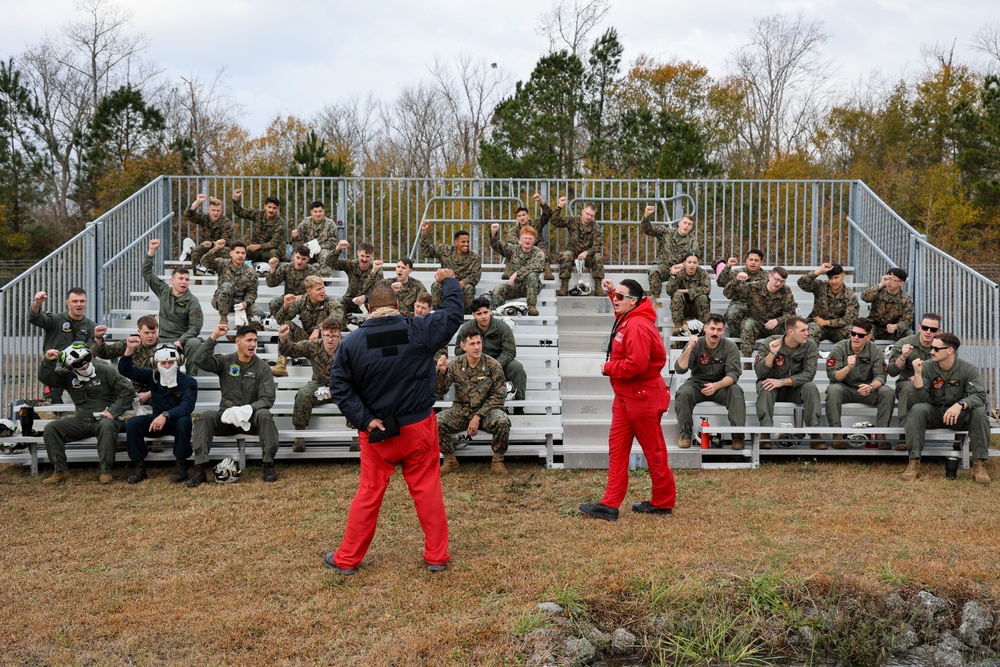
177 401
386 367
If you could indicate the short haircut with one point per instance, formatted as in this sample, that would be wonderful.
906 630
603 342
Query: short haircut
212 201
592 205
930 316
317 204
367 247
471 332
380 296
407 261
238 244
521 208
480 302
835 271
272 200
460 232
424 297
244 330
312 281
794 321
899 273
634 288
756 251
863 323
302 250
528 229
715 318
148 321
949 339
780 270
180 269
75 290
691 254
330 324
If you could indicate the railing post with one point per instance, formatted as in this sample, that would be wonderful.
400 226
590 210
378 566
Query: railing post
814 246
167 242
476 215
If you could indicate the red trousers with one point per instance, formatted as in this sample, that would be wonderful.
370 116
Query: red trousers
635 415
416 447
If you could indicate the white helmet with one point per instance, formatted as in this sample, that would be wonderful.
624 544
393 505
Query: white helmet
75 356
262 269
582 289
858 439
227 472
168 352
7 428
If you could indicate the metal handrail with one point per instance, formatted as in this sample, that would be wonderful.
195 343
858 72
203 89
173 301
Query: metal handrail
661 200
472 198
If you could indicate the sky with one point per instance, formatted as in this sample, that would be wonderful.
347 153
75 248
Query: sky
296 56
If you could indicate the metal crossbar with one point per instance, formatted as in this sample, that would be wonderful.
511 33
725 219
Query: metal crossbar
474 232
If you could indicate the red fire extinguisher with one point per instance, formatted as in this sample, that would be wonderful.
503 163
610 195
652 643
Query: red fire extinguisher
704 433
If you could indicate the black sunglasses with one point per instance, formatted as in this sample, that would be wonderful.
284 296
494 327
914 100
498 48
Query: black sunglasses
931 329
858 334
938 348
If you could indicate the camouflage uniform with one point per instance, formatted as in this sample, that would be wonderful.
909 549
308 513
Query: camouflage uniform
696 303
294 280
236 284
904 375
762 305
311 315
479 390
407 296
582 237
889 309
707 365
270 234
514 233
359 280
941 390
840 308
670 250
527 266
326 232
799 364
305 397
499 344
737 310
142 356
221 229
869 367
180 317
468 268
61 331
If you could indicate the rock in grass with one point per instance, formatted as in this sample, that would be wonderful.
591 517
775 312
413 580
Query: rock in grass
579 652
549 608
976 618
622 641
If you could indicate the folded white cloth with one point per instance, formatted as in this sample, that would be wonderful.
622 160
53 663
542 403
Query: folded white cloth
314 247
239 316
322 394
187 247
238 416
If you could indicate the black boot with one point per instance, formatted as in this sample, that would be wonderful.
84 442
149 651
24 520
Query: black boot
269 474
180 472
138 474
197 476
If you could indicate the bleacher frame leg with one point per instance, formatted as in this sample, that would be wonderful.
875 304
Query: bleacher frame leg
33 450
755 444
241 446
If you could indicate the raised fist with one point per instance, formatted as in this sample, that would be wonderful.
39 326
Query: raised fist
441 274
424 226
852 360
692 341
397 286
731 262
273 263
40 297
442 363
238 193
200 198
376 265
494 228
918 366
825 267
289 299
650 211
220 243
907 348
52 355
536 198
742 275
562 202
676 268
343 245
608 284
100 330
220 331
133 342
154 245
774 345
283 331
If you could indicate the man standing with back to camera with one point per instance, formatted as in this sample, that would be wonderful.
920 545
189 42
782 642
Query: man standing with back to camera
397 423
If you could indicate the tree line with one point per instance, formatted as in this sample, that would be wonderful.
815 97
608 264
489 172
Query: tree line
86 119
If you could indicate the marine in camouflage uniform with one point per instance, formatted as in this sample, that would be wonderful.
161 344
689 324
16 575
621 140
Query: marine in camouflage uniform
708 365
407 295
527 266
322 362
514 233
841 308
671 248
587 238
697 303
737 310
869 368
887 308
327 232
222 228
499 343
904 375
796 367
479 390
311 314
294 284
359 280
468 268
269 233
142 357
236 284
762 305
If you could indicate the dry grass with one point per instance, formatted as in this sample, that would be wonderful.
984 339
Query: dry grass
159 574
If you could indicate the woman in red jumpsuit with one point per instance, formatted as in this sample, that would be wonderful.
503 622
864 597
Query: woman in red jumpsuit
636 357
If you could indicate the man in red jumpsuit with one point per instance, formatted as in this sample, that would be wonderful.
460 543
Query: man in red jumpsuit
636 356
383 380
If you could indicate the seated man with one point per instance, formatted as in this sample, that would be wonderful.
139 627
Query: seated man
901 358
480 390
320 352
768 305
423 305
407 289
99 394
248 392
948 393
834 306
215 226
180 314
293 274
237 287
754 272
321 229
715 368
362 274
671 247
586 243
467 265
525 262
891 311
856 369
311 308
498 343
689 289
174 395
785 368
63 329
267 238
523 219
145 340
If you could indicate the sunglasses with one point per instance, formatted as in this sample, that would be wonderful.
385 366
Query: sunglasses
858 334
618 296
931 329
938 348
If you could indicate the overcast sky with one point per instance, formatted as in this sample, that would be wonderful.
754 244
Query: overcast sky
295 56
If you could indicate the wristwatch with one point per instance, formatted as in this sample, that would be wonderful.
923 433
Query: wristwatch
962 404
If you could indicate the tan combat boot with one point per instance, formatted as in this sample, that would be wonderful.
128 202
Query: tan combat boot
497 466
450 464
738 444
979 472
817 441
599 291
882 442
901 446
548 272
280 368
839 442
106 478
564 290
57 477
300 443
912 471
683 442
224 319
532 311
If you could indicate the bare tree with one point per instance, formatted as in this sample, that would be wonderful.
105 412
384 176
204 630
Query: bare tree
352 126
987 40
784 78
569 22
197 112
416 128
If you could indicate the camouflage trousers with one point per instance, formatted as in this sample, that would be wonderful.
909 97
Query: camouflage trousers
806 395
455 420
544 247
833 334
305 401
274 306
735 314
525 287
683 308
657 275
879 332
198 254
227 296
750 331
837 394
593 262
689 395
468 294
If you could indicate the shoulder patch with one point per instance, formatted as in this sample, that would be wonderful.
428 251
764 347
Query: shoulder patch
831 363
234 370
